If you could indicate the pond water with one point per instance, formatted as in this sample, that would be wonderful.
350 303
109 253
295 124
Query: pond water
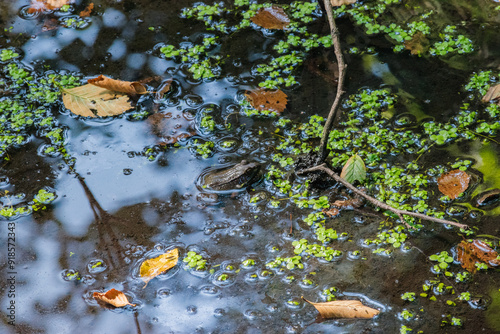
117 206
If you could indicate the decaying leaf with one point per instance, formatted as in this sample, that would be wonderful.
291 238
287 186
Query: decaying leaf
154 267
354 169
492 94
86 12
418 44
349 203
92 101
344 309
164 88
324 68
453 183
332 212
337 3
45 5
273 17
127 87
488 198
172 126
113 297
469 253
264 99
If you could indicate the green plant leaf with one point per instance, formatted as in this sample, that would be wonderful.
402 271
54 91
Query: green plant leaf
354 169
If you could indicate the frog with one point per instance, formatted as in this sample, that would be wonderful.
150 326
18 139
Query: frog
233 178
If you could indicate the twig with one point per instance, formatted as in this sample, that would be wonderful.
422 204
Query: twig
334 110
378 203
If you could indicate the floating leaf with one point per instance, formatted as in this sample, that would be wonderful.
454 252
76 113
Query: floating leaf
453 183
418 44
154 267
349 203
338 3
164 88
344 309
127 87
263 99
45 5
273 17
86 12
492 94
469 253
332 212
354 169
113 297
92 101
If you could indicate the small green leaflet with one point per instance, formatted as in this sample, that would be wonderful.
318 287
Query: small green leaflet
354 169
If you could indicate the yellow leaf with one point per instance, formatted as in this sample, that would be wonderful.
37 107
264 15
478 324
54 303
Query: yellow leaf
92 101
344 309
154 267
113 297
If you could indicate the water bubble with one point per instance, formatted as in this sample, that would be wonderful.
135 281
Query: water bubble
127 171
191 309
96 266
219 312
163 293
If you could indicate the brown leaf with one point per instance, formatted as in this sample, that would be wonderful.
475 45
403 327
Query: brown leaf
86 12
337 3
92 101
332 212
344 309
263 99
468 253
273 17
453 183
154 267
349 203
127 87
46 5
113 297
418 44
172 126
492 94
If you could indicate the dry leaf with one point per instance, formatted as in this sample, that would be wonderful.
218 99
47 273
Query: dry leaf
86 12
492 94
453 183
263 99
349 203
337 3
45 5
332 212
92 101
418 44
271 18
127 87
468 253
154 267
172 126
344 309
113 297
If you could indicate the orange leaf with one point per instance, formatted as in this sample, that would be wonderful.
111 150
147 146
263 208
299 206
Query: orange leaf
332 212
349 203
127 87
337 3
468 253
344 309
453 183
492 94
263 99
154 267
271 18
418 44
86 12
113 297
45 5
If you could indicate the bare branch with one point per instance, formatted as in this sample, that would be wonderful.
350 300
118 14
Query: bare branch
378 203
